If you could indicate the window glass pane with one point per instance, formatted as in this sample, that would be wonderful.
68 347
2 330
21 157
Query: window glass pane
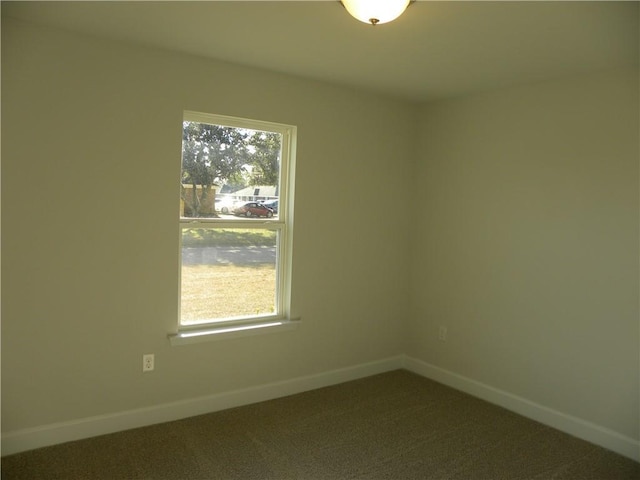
227 273
225 168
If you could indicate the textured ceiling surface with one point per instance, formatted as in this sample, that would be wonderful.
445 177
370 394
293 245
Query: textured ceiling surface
434 50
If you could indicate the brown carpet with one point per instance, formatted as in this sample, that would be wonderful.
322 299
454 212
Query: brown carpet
395 425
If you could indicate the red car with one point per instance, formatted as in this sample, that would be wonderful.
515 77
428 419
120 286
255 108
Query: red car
253 209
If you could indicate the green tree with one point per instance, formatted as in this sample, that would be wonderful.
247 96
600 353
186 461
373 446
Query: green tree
265 148
214 154
210 154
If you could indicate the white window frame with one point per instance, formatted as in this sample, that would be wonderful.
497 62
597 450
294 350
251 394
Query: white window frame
282 224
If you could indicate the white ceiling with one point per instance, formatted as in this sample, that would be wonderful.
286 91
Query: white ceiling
434 50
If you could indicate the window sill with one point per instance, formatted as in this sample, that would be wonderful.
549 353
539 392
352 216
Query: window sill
210 334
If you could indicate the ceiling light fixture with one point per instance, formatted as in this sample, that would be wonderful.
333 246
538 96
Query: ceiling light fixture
376 11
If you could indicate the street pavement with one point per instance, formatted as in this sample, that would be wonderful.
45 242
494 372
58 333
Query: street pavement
228 255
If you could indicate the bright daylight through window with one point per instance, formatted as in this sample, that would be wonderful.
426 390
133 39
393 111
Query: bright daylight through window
235 221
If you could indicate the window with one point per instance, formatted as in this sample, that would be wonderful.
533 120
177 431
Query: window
235 241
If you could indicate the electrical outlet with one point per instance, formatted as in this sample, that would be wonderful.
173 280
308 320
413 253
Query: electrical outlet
442 333
148 362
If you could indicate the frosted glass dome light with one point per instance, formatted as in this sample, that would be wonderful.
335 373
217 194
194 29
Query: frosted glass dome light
376 11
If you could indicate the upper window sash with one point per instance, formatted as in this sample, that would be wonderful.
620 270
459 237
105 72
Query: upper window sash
286 169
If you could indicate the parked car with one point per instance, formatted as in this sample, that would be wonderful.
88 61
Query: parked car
253 209
224 204
272 204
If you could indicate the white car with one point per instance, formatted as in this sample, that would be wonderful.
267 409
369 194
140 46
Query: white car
224 204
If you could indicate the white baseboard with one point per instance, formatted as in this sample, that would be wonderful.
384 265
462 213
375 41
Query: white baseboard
577 427
52 434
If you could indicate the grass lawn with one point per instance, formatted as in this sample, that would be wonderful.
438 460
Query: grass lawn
228 237
217 291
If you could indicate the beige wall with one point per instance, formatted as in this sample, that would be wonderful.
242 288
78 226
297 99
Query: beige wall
89 286
526 244
511 218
